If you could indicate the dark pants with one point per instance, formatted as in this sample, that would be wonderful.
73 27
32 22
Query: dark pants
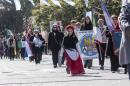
129 70
22 53
114 62
38 55
55 57
11 53
46 49
87 63
101 50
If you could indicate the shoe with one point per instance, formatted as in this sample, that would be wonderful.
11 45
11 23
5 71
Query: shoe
85 66
125 71
102 67
113 71
89 67
67 70
55 66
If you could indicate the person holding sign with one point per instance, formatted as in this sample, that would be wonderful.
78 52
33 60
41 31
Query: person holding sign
73 59
87 25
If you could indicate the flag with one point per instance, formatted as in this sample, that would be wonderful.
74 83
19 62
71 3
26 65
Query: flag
70 2
44 2
9 1
96 32
32 2
86 3
56 2
107 16
17 4
124 2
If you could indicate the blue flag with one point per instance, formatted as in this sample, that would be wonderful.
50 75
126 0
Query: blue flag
107 16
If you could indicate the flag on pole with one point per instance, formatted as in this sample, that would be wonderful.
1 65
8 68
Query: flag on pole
56 2
70 2
107 16
9 1
32 2
17 4
94 18
86 3
97 35
44 2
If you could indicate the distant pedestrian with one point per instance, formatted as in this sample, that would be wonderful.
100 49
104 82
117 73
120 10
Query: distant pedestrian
11 47
38 42
54 43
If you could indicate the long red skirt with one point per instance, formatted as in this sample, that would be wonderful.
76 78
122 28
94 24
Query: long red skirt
75 67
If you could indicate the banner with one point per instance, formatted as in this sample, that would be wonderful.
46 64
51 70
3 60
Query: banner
17 4
87 47
86 2
56 2
44 2
70 2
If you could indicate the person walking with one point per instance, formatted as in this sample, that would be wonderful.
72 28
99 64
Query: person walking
11 47
73 59
124 52
54 44
38 42
87 25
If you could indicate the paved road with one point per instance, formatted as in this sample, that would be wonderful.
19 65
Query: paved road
24 73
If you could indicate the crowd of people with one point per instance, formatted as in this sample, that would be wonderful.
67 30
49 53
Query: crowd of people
63 45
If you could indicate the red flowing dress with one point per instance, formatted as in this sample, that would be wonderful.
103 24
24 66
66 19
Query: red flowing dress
74 66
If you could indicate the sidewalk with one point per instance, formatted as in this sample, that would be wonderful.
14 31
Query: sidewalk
24 73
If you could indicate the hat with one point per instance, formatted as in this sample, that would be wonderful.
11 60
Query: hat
69 27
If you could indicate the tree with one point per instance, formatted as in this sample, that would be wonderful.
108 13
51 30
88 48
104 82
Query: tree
67 12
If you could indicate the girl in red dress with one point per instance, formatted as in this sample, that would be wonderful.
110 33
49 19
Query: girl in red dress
73 60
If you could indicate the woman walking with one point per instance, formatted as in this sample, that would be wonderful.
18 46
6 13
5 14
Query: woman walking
87 25
124 53
74 62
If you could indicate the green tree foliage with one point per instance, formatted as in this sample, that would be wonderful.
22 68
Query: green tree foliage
43 14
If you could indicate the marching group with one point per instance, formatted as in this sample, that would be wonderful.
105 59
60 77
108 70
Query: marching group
64 45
